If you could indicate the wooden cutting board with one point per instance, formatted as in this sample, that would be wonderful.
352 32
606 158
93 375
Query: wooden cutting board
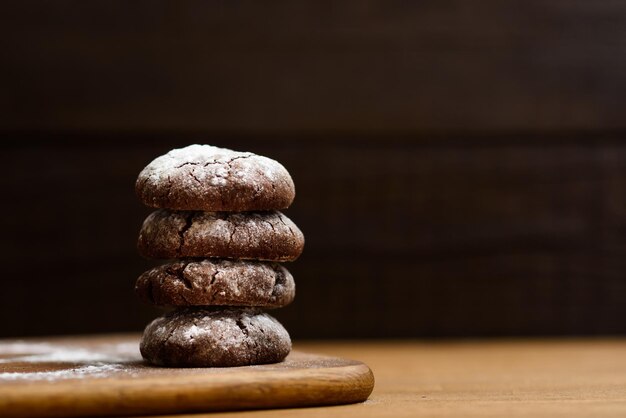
105 375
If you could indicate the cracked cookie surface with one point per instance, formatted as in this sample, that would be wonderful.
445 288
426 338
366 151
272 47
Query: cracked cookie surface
217 282
267 236
203 177
205 337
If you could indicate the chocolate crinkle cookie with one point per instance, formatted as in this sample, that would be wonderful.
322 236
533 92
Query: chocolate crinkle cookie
217 282
213 337
203 177
267 236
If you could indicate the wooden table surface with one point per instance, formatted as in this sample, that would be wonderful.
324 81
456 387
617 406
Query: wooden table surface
532 378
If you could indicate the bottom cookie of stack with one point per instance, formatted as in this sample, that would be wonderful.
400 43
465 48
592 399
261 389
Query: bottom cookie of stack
214 337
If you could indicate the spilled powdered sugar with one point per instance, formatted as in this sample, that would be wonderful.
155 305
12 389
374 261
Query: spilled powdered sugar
91 370
49 362
67 355
19 347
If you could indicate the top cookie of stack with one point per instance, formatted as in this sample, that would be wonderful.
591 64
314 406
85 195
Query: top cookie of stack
203 177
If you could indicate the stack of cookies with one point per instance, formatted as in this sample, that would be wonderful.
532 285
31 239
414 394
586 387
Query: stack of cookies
219 225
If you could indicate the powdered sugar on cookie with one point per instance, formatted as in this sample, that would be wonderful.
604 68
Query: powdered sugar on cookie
204 177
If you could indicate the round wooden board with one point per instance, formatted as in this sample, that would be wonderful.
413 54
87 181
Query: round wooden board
104 375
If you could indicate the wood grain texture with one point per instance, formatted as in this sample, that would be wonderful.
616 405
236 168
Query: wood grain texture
105 376
303 66
498 378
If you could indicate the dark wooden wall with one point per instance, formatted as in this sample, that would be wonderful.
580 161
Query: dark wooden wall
301 66
460 166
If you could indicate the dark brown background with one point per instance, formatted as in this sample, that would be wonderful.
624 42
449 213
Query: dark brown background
460 166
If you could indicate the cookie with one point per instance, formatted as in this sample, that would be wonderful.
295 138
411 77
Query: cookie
203 177
250 235
204 337
217 282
